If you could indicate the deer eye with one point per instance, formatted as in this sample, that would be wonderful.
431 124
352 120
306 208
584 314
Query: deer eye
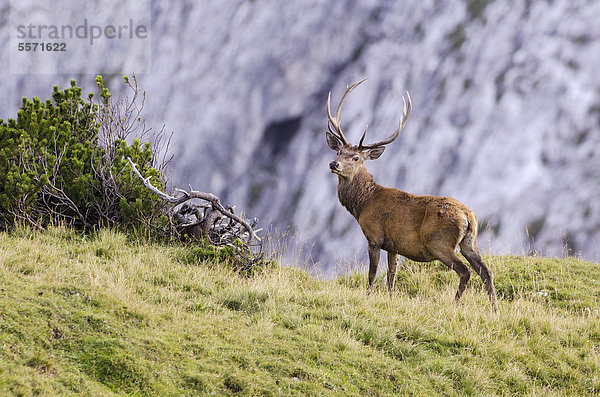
355 158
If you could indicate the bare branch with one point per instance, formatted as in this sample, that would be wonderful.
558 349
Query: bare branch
193 194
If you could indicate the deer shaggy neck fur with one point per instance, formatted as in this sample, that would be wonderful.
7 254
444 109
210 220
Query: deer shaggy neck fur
354 193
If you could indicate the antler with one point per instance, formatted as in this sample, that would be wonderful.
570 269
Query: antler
334 122
405 113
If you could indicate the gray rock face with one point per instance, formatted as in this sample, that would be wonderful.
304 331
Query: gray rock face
506 109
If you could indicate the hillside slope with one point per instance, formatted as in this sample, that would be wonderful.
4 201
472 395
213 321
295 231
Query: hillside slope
506 113
103 315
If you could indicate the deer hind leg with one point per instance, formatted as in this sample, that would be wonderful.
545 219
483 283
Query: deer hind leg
468 247
443 246
391 275
452 261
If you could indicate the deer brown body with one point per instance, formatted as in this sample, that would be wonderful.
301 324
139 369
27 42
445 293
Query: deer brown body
421 228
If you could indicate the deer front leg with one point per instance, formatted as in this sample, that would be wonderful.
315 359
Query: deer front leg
374 251
391 275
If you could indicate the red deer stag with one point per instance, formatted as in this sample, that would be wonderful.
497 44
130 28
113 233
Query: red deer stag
421 228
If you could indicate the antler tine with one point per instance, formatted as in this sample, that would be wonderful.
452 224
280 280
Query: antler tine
334 123
363 136
348 90
333 127
406 109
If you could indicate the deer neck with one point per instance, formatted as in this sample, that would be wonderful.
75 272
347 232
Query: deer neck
355 193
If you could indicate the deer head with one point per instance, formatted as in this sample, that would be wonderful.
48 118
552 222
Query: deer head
350 159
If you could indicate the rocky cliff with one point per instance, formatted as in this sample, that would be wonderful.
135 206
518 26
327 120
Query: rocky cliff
506 109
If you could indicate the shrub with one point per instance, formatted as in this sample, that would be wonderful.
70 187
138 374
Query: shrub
64 160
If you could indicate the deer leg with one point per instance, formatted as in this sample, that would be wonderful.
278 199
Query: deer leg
391 275
374 252
465 274
471 252
452 261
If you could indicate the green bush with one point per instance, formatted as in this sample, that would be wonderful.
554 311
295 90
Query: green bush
64 160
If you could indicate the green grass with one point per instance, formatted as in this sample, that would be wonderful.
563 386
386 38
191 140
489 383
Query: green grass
102 315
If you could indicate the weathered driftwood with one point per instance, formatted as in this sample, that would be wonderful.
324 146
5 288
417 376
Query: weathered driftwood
208 219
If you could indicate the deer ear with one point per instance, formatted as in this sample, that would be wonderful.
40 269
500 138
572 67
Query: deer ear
374 153
333 142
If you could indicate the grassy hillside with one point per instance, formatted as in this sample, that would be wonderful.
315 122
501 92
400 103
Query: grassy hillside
103 315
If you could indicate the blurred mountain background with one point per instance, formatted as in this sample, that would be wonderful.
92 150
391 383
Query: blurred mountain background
506 109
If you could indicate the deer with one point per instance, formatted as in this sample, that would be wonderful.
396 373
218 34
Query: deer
421 228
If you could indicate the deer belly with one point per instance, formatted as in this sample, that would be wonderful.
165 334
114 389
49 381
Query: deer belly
412 250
